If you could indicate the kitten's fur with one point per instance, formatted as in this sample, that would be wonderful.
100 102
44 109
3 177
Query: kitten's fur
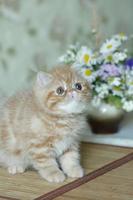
39 128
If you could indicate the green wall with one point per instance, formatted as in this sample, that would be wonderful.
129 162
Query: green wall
33 33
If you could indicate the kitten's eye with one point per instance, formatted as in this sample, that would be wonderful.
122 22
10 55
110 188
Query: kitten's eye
78 86
60 91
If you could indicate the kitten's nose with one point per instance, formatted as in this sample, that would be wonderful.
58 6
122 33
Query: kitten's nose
72 94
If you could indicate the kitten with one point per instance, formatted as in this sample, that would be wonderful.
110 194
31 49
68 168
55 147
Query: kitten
40 128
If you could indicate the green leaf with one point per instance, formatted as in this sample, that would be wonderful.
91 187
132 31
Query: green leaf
114 100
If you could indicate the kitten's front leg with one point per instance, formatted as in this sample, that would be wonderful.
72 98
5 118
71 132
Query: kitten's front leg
48 168
70 163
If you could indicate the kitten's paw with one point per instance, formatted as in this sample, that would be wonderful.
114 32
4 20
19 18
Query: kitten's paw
15 169
55 176
75 172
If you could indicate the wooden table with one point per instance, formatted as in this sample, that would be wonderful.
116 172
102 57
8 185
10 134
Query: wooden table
102 184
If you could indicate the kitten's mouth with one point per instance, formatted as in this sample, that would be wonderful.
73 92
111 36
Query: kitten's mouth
73 107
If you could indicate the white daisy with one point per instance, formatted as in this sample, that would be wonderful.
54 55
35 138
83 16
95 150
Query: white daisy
84 56
115 58
119 56
96 59
110 46
129 91
121 37
89 74
67 58
108 58
102 90
117 91
128 105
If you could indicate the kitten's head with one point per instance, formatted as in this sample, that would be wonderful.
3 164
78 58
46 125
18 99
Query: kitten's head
63 91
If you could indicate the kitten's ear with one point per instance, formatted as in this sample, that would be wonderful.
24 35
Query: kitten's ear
43 79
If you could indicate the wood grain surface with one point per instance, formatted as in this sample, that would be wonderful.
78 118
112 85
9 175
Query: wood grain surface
29 185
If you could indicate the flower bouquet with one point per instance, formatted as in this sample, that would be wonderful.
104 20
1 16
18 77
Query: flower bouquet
109 70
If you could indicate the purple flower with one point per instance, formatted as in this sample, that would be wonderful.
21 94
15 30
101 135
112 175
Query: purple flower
108 70
129 63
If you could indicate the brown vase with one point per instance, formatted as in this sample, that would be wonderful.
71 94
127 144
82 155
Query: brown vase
106 126
105 120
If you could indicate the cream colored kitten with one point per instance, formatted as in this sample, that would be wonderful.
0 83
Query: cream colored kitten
41 128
